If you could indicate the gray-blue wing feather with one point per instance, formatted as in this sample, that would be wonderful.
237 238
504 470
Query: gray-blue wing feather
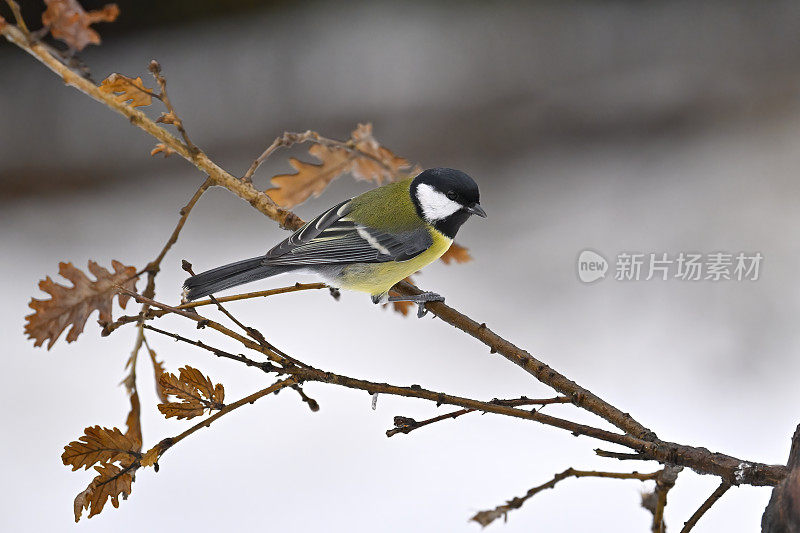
333 238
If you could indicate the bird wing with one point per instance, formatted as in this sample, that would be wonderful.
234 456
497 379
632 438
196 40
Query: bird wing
332 237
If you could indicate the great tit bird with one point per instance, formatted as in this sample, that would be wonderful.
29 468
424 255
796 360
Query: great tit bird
367 243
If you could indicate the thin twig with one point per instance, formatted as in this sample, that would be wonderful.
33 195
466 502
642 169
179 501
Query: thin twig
407 425
622 456
152 456
311 402
711 500
203 322
18 18
291 138
287 139
251 331
155 265
155 69
485 518
258 294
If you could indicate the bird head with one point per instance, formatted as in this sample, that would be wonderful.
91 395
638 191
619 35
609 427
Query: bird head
446 198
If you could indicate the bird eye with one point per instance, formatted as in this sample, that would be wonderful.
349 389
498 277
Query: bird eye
452 195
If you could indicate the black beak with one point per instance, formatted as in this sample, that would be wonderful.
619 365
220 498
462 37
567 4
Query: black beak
476 209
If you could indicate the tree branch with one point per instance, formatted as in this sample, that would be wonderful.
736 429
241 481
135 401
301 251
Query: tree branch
485 518
701 460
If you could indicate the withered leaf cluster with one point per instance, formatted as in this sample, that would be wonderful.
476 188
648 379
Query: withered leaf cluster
363 157
114 456
195 391
70 23
71 306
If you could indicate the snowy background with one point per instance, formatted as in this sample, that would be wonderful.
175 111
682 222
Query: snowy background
663 127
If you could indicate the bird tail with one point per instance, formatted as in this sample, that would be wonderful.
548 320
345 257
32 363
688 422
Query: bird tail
227 276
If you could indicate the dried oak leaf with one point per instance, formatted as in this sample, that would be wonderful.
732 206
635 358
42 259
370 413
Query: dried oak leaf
312 178
484 518
158 370
69 22
196 392
73 305
112 482
163 149
456 253
134 422
127 89
370 170
100 445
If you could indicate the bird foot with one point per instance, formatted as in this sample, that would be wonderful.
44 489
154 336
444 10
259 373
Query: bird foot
419 299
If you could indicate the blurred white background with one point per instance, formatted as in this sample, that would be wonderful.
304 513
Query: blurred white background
664 127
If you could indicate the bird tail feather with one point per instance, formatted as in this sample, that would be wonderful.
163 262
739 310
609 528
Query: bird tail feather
228 276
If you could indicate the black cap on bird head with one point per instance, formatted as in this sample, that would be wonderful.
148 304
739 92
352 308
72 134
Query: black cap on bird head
446 198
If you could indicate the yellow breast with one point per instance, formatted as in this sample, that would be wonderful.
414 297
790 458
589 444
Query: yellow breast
377 278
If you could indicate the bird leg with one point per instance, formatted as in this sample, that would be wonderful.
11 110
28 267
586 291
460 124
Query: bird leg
419 299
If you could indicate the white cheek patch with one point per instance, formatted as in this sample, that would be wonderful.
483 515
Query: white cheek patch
434 204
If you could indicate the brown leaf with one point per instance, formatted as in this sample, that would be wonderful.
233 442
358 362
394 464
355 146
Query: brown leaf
158 369
151 457
2 22
484 518
182 410
112 482
364 168
456 253
73 305
69 22
98 445
196 392
127 90
134 422
402 307
162 148
312 178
